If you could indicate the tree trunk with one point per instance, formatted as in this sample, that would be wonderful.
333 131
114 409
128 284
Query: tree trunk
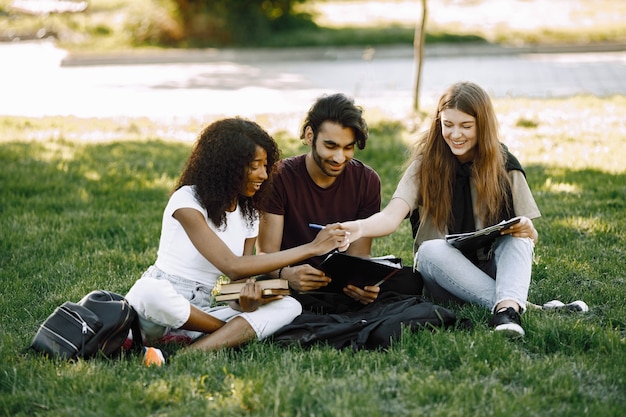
418 44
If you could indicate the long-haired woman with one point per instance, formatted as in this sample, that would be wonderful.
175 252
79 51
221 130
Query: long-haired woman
461 178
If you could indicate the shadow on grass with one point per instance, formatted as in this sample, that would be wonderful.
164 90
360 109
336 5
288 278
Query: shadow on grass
76 217
581 249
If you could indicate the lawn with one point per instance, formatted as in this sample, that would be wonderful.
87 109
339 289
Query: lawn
81 204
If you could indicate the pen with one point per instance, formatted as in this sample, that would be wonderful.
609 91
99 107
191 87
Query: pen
320 227
385 279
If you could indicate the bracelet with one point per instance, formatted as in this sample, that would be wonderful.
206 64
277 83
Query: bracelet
280 272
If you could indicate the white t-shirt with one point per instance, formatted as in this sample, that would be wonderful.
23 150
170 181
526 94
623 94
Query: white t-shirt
178 256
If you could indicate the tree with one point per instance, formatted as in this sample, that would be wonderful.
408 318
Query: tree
233 22
418 45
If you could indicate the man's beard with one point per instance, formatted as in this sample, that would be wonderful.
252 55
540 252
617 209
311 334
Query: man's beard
320 163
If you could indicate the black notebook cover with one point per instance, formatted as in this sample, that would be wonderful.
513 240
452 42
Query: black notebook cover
346 269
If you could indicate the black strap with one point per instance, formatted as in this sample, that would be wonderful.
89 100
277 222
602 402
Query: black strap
136 331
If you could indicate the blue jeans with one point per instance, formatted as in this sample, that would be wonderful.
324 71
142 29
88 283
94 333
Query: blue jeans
449 275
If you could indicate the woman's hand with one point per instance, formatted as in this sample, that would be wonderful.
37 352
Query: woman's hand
353 228
524 228
251 296
332 236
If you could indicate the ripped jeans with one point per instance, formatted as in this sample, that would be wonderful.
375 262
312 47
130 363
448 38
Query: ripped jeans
449 275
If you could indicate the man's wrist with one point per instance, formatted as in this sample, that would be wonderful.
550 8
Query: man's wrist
282 274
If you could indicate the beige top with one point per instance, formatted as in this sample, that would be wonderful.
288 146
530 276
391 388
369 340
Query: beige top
407 190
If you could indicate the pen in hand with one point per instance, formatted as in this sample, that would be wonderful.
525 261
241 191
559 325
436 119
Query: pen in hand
320 227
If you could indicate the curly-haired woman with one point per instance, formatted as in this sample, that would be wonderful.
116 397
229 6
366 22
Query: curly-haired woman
209 228
461 179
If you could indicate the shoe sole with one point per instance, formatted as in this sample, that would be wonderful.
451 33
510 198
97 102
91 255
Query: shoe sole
512 330
153 357
577 306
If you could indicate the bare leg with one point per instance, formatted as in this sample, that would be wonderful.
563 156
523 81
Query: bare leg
232 334
200 321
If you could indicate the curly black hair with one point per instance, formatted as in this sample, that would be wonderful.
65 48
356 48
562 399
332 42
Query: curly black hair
218 167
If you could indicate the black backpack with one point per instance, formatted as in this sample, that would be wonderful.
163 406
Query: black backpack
100 322
375 326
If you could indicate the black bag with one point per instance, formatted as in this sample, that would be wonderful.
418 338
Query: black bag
375 326
100 322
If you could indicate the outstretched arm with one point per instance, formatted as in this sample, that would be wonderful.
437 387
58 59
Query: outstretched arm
237 267
380 224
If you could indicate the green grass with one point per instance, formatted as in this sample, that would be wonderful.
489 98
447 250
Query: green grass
80 209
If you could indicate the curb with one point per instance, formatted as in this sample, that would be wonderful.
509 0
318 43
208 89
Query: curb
212 55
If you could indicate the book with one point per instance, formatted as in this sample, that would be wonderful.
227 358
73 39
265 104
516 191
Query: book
269 292
269 287
480 238
347 269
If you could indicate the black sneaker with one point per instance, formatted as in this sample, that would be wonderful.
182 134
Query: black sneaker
507 321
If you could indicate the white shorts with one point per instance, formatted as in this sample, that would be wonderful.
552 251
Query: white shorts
163 303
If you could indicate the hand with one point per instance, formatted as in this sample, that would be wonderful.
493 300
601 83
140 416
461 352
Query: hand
331 237
524 228
366 295
251 296
353 228
305 278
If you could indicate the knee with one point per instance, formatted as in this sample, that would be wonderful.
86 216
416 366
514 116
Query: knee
432 251
509 244
272 316
145 294
290 308
281 311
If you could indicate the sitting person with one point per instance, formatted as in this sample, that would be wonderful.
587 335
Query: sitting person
461 179
209 228
326 185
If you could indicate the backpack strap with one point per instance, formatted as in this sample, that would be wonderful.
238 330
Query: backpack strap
135 329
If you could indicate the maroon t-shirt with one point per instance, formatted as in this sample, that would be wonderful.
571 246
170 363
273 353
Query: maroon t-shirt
355 194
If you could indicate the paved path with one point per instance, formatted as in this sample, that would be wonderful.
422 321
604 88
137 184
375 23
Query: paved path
37 79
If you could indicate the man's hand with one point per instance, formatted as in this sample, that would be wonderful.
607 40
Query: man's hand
305 278
365 295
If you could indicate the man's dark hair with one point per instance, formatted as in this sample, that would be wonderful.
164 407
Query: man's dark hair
339 109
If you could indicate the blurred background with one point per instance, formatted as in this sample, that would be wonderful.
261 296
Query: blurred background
101 25
181 60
